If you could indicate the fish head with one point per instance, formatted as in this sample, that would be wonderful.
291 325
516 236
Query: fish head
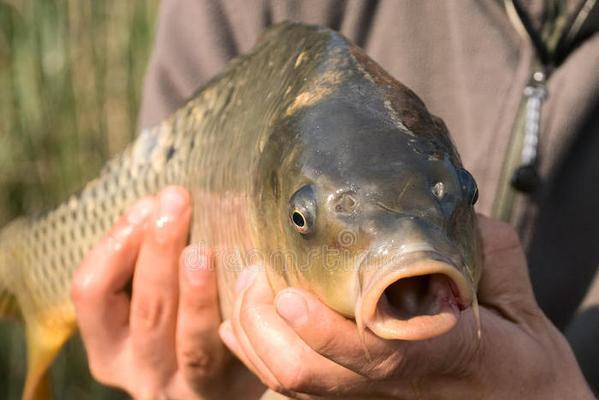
365 203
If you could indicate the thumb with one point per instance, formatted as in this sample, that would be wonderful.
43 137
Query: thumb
505 281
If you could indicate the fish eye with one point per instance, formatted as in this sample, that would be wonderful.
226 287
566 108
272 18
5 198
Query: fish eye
469 187
302 210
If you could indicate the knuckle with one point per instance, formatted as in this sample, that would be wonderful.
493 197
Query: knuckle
508 233
504 239
149 312
328 343
197 305
197 364
505 247
291 382
99 371
83 288
386 367
292 377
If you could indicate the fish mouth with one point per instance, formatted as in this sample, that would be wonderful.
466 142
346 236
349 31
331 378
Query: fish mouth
416 298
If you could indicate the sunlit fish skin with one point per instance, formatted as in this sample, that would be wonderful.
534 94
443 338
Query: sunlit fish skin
303 155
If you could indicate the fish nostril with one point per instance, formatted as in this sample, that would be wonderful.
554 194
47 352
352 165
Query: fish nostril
345 203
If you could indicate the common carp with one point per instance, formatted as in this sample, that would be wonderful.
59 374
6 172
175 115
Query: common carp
304 155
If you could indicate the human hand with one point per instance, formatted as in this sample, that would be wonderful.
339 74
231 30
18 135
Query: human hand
160 339
301 348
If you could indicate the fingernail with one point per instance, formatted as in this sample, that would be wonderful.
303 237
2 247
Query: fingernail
172 204
140 211
195 264
292 306
246 278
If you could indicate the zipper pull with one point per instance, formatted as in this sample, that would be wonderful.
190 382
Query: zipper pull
526 177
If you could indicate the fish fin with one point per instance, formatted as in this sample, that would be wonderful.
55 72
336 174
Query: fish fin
270 395
45 336
9 306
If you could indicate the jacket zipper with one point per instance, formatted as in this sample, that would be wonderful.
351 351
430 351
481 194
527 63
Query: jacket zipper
519 171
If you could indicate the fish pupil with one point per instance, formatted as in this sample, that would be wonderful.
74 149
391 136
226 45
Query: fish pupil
298 219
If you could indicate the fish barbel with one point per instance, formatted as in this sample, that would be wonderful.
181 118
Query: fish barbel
304 155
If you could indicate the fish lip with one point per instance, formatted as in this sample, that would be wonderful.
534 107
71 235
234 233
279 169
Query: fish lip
418 262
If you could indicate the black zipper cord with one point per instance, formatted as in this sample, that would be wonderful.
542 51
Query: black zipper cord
543 53
581 25
526 178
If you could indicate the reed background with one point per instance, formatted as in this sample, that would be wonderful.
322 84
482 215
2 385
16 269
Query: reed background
71 73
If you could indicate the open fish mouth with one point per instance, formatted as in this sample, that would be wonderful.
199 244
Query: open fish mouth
417 297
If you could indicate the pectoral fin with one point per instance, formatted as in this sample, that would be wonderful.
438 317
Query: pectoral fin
45 337
9 306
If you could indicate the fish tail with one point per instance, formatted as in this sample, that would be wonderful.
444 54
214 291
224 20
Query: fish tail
47 329
9 306
45 336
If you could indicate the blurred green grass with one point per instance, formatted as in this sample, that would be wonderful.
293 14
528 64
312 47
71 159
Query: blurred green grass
71 73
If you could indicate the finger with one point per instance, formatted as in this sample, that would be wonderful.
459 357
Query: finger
335 337
242 346
339 340
200 352
99 285
155 288
296 367
227 335
505 274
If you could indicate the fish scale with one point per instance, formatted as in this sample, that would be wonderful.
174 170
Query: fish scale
249 146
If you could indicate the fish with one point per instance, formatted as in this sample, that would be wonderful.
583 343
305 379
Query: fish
303 155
